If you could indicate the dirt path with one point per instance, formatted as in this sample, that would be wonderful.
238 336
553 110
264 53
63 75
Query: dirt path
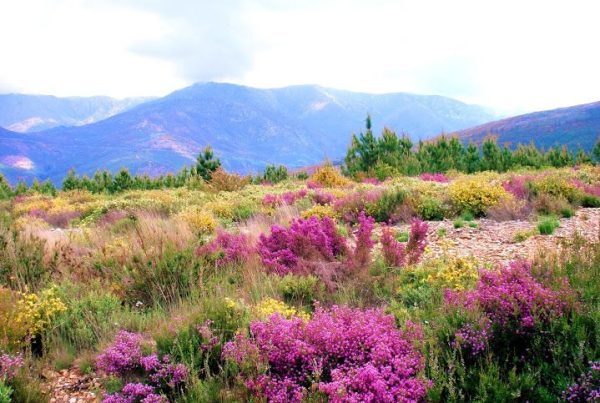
494 242
71 386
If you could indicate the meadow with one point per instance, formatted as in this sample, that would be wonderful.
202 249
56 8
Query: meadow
302 287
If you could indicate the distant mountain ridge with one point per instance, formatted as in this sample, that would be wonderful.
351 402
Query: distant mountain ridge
247 127
27 113
572 126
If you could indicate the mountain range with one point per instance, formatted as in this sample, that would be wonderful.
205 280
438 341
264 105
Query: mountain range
575 126
247 127
27 113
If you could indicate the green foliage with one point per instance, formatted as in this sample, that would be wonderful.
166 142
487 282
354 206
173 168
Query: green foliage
459 223
206 164
432 209
383 209
590 201
546 225
300 289
274 174
5 393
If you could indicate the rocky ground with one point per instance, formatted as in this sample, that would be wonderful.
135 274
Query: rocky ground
490 241
494 242
71 386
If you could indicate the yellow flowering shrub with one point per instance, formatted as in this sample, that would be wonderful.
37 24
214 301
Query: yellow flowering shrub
268 306
320 211
199 221
221 208
475 195
454 272
556 185
25 315
329 176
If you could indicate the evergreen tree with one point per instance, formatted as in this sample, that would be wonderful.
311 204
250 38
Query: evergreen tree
596 150
492 156
71 182
5 189
121 182
206 163
472 158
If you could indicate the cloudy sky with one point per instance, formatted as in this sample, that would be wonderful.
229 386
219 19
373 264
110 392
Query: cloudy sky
512 55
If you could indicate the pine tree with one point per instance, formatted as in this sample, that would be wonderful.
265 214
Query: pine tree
472 158
206 163
71 182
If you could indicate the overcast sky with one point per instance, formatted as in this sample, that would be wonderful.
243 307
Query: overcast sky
513 55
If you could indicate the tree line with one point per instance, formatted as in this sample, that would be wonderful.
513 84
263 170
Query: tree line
393 155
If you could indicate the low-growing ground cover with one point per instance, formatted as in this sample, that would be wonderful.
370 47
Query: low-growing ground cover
317 289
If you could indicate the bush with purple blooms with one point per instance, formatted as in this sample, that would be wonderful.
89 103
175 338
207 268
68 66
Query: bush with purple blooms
150 378
345 354
9 366
288 198
434 177
226 248
587 388
398 254
303 247
514 301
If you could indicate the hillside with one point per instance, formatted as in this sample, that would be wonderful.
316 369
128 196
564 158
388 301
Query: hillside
247 127
573 126
29 113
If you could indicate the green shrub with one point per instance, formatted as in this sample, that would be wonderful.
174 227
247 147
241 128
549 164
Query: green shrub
590 201
383 209
467 216
402 236
567 212
547 225
459 223
431 209
5 393
473 224
300 289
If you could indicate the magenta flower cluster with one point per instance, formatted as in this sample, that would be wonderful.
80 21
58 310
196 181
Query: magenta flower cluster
434 177
134 393
288 198
227 248
297 248
323 198
473 338
593 190
512 299
124 358
9 366
587 388
350 206
518 186
361 255
396 253
350 355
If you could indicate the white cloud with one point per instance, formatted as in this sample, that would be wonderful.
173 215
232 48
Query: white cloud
513 55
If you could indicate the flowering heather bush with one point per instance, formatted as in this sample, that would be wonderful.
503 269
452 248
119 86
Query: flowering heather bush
227 249
288 198
350 355
587 388
371 181
124 358
297 248
350 206
434 177
9 366
518 186
398 254
135 392
473 338
361 255
123 355
513 300
323 198
58 219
